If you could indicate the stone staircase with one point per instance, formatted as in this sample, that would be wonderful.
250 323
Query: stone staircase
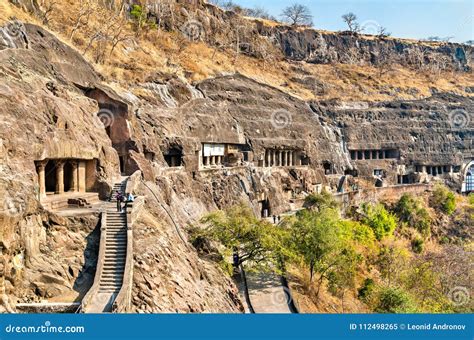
112 257
115 252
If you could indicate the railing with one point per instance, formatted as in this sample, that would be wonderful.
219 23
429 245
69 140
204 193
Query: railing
100 265
123 301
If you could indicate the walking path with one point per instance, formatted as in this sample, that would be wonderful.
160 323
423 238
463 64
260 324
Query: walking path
267 293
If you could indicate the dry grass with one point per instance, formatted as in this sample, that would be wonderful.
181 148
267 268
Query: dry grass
304 293
155 53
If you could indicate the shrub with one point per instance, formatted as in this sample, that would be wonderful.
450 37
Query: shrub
320 201
443 200
382 222
417 245
366 289
394 300
412 211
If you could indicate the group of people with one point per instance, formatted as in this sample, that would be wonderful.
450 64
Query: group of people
121 198
276 218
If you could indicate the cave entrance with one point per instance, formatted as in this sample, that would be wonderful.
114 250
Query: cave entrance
174 157
266 209
50 176
328 168
68 177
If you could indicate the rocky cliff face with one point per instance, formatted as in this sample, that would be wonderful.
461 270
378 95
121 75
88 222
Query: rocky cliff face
320 47
325 47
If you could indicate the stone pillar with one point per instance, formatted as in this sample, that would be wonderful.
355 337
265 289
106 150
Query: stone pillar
384 155
280 158
290 158
363 155
273 158
284 158
423 169
377 154
451 170
267 158
82 176
42 180
75 177
59 177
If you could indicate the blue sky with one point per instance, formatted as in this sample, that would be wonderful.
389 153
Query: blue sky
403 18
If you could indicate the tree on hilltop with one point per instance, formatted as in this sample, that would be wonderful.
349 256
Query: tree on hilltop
297 15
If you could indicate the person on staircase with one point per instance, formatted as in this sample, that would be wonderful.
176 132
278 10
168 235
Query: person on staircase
130 199
119 198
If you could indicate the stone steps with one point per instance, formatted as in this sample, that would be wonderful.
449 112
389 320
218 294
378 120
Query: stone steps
111 277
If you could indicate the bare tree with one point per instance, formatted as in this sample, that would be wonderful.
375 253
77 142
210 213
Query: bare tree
82 18
383 33
297 15
351 20
47 9
259 12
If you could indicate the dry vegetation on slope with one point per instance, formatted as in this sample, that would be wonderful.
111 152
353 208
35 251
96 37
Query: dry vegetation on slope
153 53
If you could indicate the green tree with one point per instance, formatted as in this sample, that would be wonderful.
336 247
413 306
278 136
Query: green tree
138 15
382 222
392 262
425 286
320 201
411 211
342 276
238 230
443 199
315 238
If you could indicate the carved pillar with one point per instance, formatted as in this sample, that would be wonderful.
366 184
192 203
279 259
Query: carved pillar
273 157
290 160
267 158
59 177
423 169
42 180
82 176
283 158
75 177
280 156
